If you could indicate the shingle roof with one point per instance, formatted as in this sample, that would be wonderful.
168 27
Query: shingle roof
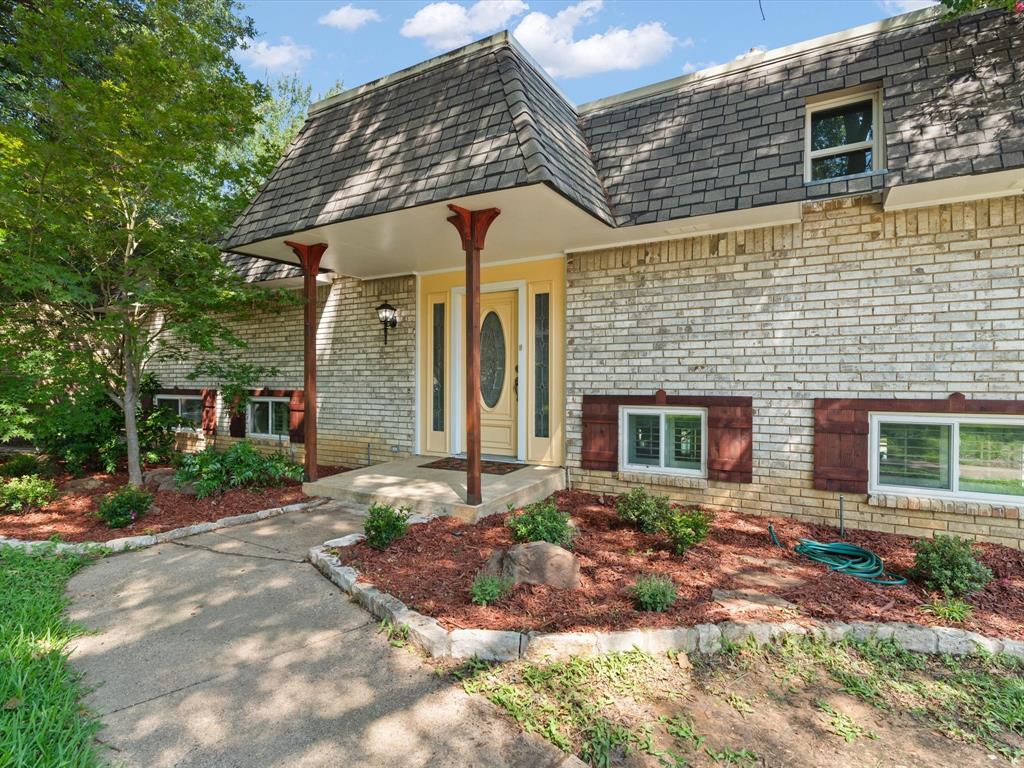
257 270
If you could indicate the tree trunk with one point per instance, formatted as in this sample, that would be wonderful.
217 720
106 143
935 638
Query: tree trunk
131 427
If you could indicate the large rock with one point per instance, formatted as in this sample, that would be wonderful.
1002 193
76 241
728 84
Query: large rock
82 484
157 476
536 562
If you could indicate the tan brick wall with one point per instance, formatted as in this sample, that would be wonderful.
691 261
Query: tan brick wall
366 390
850 302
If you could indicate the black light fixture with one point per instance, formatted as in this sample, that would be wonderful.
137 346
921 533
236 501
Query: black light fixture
388 317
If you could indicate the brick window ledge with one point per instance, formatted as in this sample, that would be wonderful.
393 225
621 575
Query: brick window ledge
949 506
655 478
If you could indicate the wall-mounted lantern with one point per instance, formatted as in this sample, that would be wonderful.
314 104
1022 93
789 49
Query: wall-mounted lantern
388 317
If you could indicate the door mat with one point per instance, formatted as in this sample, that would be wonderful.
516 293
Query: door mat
487 467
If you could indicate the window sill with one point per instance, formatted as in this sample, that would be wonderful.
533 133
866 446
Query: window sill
852 177
949 506
659 478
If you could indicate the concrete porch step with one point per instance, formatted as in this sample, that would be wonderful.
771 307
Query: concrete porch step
406 483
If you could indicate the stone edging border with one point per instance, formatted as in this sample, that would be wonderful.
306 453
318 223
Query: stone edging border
427 633
130 543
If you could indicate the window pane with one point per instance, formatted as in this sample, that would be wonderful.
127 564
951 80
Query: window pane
846 164
192 411
437 402
541 354
992 459
280 412
169 404
684 448
847 124
644 439
914 455
261 417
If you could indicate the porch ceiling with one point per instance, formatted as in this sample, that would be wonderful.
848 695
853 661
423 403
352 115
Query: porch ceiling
535 221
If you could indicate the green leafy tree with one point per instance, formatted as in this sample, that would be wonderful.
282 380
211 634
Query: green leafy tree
960 7
115 185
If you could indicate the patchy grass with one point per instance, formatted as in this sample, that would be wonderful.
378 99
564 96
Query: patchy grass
855 702
42 722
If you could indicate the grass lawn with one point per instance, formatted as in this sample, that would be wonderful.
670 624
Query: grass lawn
797 703
42 722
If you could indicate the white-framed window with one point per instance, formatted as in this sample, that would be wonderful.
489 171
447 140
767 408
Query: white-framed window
844 136
188 408
969 457
663 440
268 417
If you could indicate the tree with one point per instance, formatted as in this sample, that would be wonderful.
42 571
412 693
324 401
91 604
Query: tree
961 7
117 177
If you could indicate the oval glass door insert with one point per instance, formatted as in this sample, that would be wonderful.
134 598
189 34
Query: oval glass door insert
492 359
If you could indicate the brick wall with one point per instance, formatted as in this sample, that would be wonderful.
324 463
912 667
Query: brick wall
851 302
366 390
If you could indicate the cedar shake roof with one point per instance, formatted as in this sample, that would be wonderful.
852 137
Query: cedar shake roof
486 118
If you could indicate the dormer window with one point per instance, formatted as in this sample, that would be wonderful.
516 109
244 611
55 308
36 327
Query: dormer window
844 136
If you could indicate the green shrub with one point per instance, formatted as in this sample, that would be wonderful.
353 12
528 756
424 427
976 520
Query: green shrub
22 494
241 466
653 593
487 589
685 528
384 524
951 609
642 510
541 521
949 565
21 464
124 506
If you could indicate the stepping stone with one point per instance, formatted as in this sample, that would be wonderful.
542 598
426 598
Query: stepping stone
767 572
736 601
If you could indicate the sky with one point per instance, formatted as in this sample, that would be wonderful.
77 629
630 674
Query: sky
592 48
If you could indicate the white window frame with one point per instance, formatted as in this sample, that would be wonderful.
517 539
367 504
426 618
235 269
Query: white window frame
953 420
876 145
178 398
251 432
626 411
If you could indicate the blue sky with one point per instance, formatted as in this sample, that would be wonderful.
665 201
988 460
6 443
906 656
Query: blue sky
591 48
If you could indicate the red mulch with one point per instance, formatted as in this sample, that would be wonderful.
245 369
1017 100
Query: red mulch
431 569
72 516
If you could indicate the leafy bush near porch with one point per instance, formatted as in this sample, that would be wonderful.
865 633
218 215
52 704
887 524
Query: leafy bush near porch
22 494
241 466
384 524
950 565
653 593
21 464
642 510
124 506
685 528
487 589
541 521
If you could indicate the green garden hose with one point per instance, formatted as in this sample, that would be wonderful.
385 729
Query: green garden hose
845 558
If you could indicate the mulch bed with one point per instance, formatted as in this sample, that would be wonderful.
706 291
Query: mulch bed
431 569
487 467
72 516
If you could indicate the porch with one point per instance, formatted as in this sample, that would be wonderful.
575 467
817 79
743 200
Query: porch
428 491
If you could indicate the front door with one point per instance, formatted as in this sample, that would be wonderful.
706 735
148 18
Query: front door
499 372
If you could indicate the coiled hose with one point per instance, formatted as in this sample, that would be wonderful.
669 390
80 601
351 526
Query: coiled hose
845 558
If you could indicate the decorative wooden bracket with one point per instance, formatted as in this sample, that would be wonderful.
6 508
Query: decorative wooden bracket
309 255
472 226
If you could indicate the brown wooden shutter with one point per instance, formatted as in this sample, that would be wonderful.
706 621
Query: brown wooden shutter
731 441
208 419
600 433
841 445
297 416
236 428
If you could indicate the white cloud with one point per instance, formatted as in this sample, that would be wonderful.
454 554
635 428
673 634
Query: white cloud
551 40
446 25
757 50
695 66
287 56
348 17
896 7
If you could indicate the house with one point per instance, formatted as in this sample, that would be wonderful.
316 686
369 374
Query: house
767 285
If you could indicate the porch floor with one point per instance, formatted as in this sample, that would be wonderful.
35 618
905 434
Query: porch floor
406 482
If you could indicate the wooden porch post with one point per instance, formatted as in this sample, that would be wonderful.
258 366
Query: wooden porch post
309 257
472 227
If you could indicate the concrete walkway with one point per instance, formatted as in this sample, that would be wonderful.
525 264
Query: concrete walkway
227 649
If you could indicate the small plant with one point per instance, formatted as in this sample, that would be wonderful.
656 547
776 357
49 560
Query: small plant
384 524
397 634
124 506
951 609
843 725
487 589
21 464
949 565
541 521
642 510
685 528
653 593
241 466
22 494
